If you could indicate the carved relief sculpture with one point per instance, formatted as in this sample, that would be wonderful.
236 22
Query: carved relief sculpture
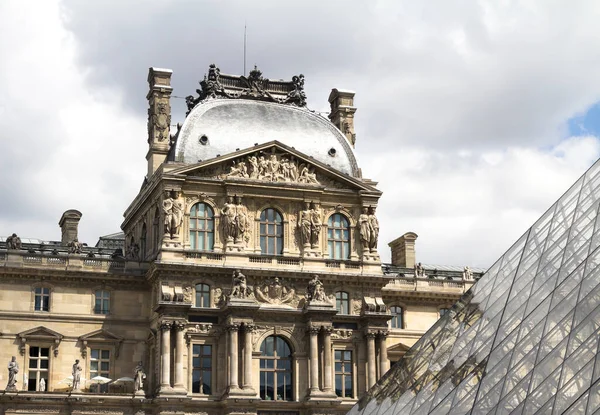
273 292
13 242
76 372
273 168
139 377
161 120
13 369
173 211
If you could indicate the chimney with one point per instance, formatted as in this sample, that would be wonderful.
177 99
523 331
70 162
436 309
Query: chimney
159 117
68 223
403 250
342 112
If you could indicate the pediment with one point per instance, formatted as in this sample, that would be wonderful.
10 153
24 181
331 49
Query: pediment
40 333
398 348
274 163
101 336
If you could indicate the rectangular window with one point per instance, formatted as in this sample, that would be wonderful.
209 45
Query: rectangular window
39 364
99 366
343 374
202 369
102 305
42 299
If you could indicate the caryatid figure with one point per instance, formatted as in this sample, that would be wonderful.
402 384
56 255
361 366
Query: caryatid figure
305 225
316 224
364 228
228 214
374 230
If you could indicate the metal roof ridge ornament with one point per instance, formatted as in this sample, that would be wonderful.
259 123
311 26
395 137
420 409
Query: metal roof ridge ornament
254 86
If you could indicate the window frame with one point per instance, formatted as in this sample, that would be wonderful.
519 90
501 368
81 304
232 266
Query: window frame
202 292
395 315
341 298
201 368
102 311
274 368
195 233
265 235
101 388
39 370
333 241
42 295
343 374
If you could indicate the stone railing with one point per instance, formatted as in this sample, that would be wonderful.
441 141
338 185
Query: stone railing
81 262
454 286
275 261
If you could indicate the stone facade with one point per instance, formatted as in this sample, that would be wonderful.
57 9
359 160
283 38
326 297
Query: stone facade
247 283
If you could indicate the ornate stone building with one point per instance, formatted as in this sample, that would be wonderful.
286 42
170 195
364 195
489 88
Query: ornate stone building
246 279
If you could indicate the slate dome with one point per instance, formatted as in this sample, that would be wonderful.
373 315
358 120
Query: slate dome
219 126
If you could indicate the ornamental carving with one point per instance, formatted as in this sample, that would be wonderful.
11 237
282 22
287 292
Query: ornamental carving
161 120
254 86
274 167
274 292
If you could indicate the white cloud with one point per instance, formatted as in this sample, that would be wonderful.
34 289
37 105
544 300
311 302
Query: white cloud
462 106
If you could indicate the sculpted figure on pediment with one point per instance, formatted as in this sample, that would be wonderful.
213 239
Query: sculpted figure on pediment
274 167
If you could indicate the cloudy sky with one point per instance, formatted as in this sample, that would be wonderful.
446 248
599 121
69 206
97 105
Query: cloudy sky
473 116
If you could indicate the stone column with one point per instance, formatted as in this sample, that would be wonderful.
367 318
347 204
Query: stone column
371 365
165 352
384 363
314 358
327 360
233 356
179 345
248 329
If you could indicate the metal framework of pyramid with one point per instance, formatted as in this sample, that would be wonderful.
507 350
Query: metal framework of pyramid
524 339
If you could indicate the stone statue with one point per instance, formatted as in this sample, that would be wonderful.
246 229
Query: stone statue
139 377
239 287
316 224
76 372
374 230
173 211
133 251
13 369
419 271
42 385
75 247
364 229
315 290
242 222
467 274
13 242
228 214
305 225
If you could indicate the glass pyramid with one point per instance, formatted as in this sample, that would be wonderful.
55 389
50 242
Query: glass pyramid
524 339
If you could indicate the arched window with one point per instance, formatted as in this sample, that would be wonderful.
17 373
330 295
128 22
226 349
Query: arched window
271 232
397 320
338 236
156 230
202 295
143 242
275 370
202 227
342 302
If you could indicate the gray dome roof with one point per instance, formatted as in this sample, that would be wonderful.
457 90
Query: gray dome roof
222 126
